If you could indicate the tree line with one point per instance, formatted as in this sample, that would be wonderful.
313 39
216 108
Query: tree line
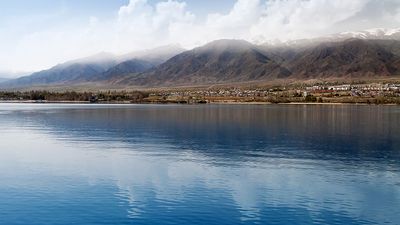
105 96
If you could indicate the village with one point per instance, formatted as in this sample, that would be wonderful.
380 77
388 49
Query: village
345 93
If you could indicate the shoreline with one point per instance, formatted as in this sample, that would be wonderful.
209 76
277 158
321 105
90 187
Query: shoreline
293 103
171 103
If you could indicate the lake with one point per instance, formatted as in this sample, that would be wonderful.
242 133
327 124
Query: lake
199 164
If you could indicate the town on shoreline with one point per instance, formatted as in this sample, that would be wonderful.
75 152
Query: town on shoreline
368 93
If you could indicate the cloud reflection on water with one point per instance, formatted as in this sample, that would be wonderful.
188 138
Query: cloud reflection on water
163 159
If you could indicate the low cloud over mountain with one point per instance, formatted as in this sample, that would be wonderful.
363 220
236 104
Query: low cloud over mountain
349 55
56 36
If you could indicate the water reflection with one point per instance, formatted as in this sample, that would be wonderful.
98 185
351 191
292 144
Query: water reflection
200 164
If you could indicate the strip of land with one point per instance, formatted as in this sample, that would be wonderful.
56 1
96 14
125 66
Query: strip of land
321 92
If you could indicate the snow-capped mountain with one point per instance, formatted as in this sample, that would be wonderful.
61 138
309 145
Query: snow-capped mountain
376 33
370 34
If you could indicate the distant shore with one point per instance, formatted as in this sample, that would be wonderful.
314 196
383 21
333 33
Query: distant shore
176 103
295 103
365 94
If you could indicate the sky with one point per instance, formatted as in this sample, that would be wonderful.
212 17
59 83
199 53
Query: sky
38 34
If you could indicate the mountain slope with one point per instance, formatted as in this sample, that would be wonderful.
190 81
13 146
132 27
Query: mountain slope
226 61
138 62
351 58
99 67
219 61
133 66
71 72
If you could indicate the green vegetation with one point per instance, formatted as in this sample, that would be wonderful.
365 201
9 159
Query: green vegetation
72 96
310 98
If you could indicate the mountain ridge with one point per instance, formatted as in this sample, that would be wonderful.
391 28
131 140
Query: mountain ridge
228 61
218 61
95 68
237 61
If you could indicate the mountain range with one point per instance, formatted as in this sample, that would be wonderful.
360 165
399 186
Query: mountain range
371 53
96 68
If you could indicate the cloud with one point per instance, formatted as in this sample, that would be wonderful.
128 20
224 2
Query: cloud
302 19
93 20
237 23
375 13
141 24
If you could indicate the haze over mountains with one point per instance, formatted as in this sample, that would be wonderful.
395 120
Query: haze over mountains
2 79
371 53
8 75
96 68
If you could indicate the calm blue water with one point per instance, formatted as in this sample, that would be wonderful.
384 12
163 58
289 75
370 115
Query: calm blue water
208 164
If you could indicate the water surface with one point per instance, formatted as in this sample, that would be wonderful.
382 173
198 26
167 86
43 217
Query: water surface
208 164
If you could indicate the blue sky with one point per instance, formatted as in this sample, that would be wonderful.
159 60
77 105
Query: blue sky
38 34
42 14
101 8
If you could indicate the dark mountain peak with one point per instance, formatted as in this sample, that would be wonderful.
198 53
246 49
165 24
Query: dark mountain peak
350 58
217 62
354 41
133 66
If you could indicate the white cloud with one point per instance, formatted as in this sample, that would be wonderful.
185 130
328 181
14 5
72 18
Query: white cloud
237 23
302 19
93 20
141 24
